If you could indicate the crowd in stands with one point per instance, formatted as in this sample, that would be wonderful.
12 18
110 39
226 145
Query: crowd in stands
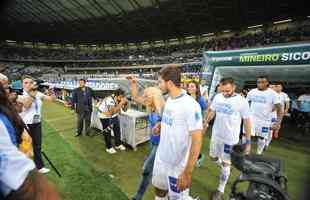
179 53
39 71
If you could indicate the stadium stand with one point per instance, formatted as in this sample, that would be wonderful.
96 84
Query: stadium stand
141 60
159 55
116 48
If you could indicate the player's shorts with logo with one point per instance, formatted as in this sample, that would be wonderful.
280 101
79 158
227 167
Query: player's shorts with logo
219 149
165 178
260 128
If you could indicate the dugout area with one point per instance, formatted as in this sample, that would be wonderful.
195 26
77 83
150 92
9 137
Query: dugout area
289 64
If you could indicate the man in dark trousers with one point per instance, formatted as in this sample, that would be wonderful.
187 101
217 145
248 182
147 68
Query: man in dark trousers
82 103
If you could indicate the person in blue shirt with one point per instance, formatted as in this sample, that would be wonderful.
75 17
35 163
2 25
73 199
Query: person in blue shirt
18 177
193 89
154 101
303 104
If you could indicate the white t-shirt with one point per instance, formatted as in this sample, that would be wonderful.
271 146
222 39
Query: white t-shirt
14 165
262 103
229 113
181 116
304 102
283 99
28 113
104 106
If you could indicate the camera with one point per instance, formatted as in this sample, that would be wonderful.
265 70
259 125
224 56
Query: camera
35 87
38 85
264 175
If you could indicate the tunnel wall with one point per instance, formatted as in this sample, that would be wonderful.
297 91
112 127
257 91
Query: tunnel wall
298 54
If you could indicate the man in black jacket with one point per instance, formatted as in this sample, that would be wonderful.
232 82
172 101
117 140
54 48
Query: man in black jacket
82 103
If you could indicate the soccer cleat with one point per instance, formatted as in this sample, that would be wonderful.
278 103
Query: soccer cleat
111 151
77 134
190 198
217 195
121 147
199 162
44 170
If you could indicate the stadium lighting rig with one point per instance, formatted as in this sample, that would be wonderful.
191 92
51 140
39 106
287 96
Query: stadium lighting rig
208 34
255 26
282 21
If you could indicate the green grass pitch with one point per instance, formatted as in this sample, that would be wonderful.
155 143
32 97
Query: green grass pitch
89 173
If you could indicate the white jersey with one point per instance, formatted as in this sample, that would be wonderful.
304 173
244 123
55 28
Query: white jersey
105 106
181 116
262 104
28 114
283 99
14 165
229 113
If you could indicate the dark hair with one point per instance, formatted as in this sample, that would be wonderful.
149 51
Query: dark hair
7 108
263 77
171 73
119 92
198 92
228 80
83 80
277 83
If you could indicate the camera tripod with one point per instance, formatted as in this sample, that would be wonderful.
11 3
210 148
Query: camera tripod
51 163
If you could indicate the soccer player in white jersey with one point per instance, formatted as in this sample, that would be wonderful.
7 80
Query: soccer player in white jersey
229 109
273 119
181 139
263 101
285 105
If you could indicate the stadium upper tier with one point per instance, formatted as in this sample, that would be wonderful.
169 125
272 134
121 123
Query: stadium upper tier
169 53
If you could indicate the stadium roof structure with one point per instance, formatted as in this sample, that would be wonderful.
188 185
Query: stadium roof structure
123 21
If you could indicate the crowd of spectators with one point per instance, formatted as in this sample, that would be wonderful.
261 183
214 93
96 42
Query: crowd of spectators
179 53
147 73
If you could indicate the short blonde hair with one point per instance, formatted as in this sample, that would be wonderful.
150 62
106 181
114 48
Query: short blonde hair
3 77
157 98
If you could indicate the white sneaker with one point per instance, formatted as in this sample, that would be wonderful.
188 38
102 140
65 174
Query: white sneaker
44 170
121 147
187 197
111 150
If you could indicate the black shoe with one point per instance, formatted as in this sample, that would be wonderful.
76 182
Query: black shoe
77 134
217 195
265 148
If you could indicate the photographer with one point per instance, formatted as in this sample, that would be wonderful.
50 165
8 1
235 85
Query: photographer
18 178
31 115
109 108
